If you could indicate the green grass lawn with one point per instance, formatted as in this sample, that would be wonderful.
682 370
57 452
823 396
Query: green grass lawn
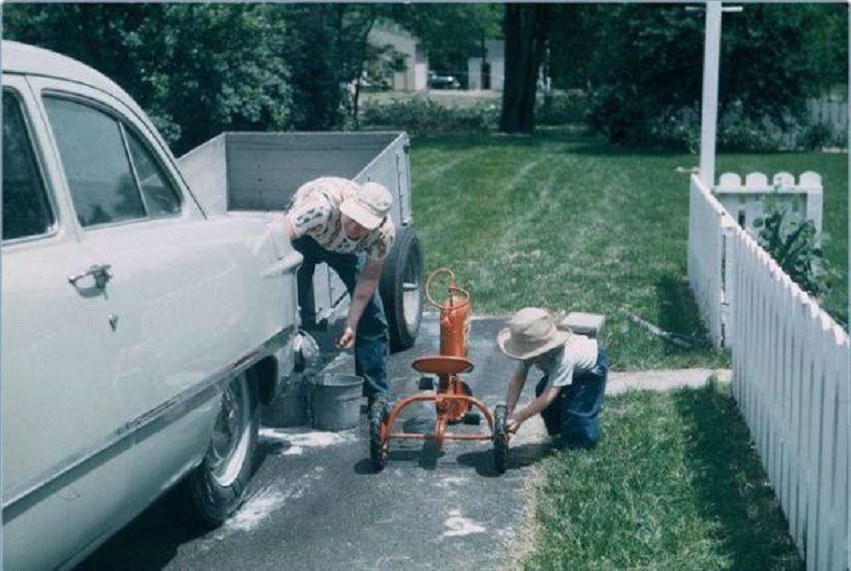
566 221
674 484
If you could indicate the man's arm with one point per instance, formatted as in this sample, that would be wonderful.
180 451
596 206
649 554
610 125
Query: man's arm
288 225
364 290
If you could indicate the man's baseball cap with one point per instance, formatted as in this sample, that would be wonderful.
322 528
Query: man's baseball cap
369 206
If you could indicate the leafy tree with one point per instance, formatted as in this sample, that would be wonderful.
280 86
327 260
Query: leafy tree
573 43
196 69
642 63
326 47
648 58
827 46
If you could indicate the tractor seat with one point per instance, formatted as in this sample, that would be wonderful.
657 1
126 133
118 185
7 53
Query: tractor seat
442 365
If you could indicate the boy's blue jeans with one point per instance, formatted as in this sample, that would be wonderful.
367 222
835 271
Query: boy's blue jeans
574 413
371 341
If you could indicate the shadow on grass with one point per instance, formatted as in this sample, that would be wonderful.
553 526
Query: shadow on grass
679 315
731 484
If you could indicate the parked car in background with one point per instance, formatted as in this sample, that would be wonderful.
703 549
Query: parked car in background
443 81
369 84
139 335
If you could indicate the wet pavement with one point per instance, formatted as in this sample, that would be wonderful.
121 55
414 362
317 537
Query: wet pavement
315 502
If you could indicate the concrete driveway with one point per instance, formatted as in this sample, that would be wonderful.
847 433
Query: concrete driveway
315 503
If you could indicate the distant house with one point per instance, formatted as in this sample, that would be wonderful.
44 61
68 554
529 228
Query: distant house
404 61
488 73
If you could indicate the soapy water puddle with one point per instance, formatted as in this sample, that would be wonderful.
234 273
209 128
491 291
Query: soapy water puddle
255 510
294 442
458 526
262 504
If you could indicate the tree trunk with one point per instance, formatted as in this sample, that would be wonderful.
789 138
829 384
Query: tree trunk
525 38
361 64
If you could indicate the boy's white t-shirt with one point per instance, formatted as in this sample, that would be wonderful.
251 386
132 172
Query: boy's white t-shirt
578 355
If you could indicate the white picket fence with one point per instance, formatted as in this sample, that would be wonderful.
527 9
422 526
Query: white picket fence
708 223
791 377
829 112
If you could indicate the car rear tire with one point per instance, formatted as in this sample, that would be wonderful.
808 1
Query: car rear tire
401 289
217 486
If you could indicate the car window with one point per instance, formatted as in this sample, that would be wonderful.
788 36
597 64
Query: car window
160 197
96 164
26 210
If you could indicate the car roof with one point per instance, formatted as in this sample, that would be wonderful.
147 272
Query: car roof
31 60
20 58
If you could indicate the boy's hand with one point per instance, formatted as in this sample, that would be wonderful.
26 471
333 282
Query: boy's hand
512 424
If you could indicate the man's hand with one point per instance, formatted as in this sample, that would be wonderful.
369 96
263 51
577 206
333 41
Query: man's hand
512 424
347 339
364 290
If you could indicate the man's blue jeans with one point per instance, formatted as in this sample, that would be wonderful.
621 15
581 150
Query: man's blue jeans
574 413
371 341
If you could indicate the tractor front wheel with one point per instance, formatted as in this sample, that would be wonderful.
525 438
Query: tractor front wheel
500 438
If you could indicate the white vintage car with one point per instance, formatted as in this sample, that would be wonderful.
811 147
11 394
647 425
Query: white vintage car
139 334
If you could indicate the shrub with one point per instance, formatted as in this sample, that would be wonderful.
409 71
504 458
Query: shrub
794 245
561 108
679 128
820 135
423 116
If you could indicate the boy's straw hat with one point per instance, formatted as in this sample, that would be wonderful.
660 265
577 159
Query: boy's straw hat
531 331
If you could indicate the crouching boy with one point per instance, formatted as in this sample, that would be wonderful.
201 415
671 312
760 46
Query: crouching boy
570 394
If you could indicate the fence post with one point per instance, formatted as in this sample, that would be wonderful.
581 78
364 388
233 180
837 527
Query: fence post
728 293
709 105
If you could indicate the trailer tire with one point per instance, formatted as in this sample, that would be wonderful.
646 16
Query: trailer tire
401 289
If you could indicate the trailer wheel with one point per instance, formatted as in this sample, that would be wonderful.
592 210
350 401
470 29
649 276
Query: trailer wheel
377 450
401 289
500 438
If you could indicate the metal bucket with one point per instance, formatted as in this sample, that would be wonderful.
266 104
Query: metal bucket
290 407
335 401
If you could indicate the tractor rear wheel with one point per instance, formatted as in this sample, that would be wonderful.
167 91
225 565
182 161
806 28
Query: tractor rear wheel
378 447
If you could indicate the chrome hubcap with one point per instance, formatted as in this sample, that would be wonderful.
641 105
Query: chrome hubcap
229 443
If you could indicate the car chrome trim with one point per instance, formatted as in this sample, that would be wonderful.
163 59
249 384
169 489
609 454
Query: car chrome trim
30 492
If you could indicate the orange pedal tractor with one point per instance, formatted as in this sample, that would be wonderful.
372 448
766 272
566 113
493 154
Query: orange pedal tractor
453 399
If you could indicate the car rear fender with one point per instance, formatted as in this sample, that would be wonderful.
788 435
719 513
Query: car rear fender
264 376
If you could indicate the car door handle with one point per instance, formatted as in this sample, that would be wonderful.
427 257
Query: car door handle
100 273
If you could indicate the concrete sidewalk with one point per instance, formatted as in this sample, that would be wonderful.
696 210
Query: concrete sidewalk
663 379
